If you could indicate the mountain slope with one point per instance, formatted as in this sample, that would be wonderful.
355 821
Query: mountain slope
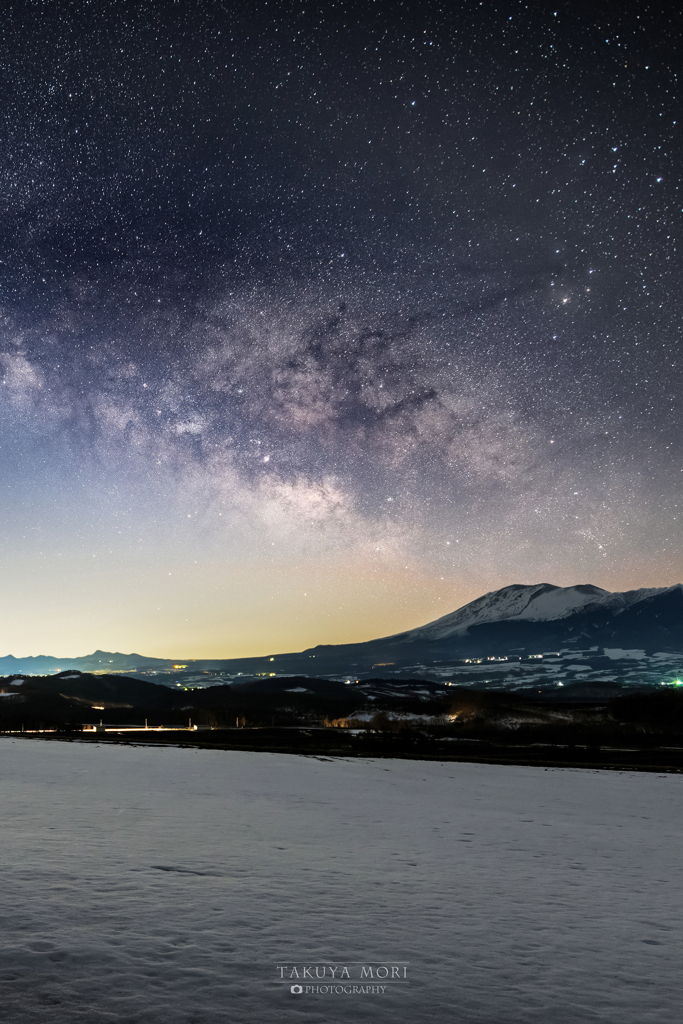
540 602
521 621
515 622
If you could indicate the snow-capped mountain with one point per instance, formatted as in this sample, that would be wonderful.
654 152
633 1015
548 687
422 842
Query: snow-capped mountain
548 631
634 635
541 602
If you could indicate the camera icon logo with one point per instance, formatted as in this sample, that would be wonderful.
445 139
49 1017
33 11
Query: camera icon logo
296 990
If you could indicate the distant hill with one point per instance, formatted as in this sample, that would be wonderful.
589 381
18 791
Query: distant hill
99 661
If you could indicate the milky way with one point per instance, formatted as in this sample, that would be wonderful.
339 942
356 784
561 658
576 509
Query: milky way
318 322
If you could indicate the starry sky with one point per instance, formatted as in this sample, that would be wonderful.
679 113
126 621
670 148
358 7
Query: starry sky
319 320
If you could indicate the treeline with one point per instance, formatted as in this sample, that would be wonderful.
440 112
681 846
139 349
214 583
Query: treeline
67 702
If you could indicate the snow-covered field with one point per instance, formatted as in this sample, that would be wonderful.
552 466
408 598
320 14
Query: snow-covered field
165 885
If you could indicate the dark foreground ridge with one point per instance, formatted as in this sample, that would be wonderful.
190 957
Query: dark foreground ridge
608 728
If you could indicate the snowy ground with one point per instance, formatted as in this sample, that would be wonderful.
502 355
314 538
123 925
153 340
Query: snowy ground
164 885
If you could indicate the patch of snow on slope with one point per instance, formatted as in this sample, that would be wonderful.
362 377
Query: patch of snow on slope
559 603
619 654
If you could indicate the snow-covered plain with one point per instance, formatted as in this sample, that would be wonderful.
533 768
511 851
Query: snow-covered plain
163 885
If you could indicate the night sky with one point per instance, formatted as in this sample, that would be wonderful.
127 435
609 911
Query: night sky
320 320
